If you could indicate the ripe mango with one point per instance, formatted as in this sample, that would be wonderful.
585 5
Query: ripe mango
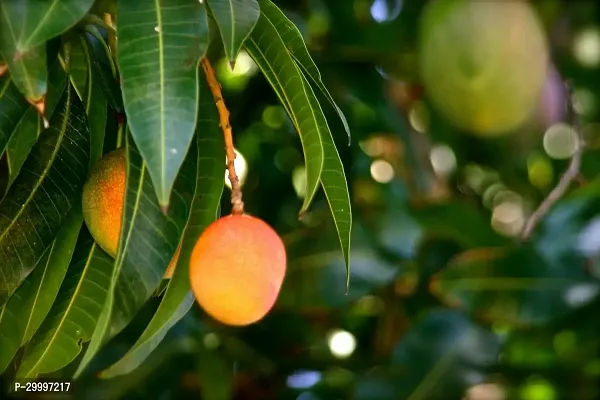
237 268
483 63
103 199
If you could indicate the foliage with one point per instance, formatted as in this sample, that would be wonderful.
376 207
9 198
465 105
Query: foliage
446 296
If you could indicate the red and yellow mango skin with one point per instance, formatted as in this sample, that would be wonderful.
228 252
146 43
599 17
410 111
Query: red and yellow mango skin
237 269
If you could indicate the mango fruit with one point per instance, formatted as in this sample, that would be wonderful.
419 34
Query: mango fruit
103 199
483 64
237 268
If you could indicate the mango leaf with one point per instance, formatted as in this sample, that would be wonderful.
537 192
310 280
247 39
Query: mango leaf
40 21
22 141
74 314
96 105
159 50
147 244
24 312
31 126
12 108
97 55
296 46
268 51
78 67
28 71
514 286
333 180
441 357
204 209
42 195
235 19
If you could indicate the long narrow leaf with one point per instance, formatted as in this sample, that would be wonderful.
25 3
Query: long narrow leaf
209 187
160 44
42 196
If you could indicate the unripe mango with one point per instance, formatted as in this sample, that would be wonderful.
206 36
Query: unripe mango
237 269
103 198
483 63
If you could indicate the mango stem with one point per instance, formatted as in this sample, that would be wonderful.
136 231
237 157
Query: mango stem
215 88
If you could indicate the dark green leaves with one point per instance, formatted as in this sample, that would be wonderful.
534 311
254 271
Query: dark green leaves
209 186
35 22
12 108
147 244
235 19
160 44
74 314
43 194
25 26
28 306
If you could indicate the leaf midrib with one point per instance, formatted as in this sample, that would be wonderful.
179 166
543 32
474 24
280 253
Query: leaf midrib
161 63
20 65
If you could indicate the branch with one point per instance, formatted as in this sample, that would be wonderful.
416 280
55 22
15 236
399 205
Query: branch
215 88
570 175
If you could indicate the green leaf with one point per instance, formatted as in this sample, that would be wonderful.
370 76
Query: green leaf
12 108
22 141
29 71
159 50
98 57
24 312
235 19
43 193
296 46
147 244
333 180
268 51
31 125
39 21
204 209
514 286
74 314
78 67
96 105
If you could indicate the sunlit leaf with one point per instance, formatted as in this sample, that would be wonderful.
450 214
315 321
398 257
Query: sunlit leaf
42 195
235 19
294 42
333 180
178 298
160 44
24 312
268 50
74 314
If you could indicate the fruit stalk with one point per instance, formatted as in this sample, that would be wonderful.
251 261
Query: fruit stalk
215 88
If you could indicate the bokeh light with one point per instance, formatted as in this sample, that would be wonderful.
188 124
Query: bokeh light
299 180
560 141
442 160
341 343
382 171
586 47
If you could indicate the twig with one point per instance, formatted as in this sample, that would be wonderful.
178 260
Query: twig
570 175
215 88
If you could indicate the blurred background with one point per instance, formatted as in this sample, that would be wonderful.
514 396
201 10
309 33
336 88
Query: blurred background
459 131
